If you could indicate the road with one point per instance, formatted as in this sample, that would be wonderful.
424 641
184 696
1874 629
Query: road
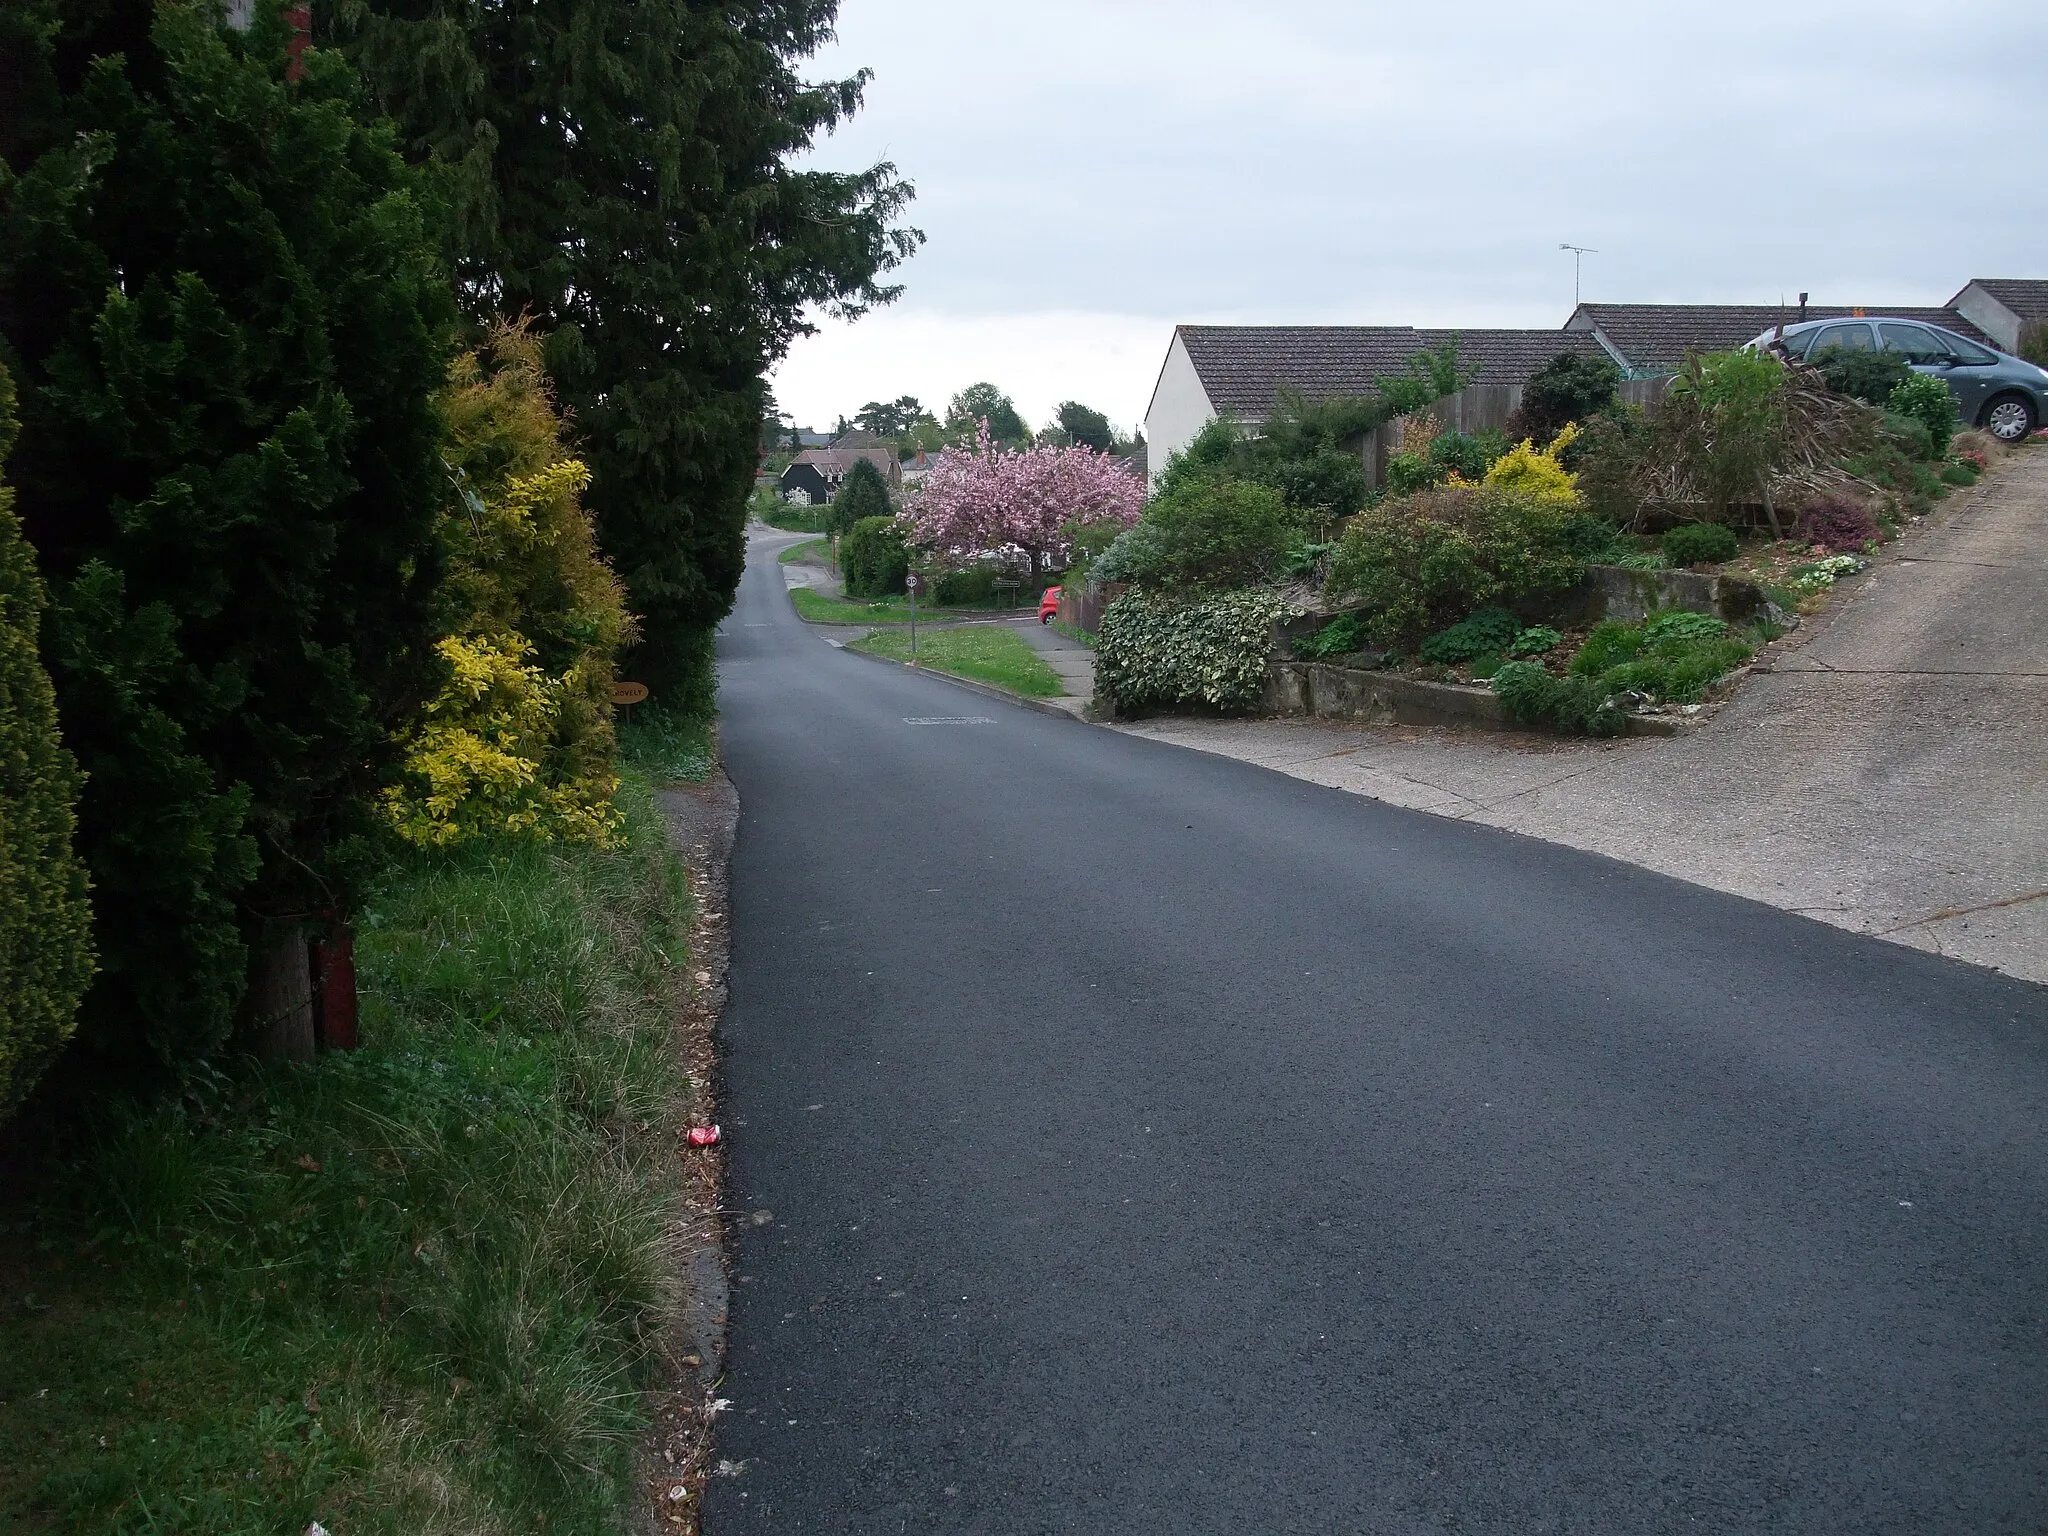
1135 1140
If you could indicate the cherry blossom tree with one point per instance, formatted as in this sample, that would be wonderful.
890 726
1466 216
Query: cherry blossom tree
985 500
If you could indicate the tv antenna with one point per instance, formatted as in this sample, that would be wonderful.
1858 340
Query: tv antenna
1577 251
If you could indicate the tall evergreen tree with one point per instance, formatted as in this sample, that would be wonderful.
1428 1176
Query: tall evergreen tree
619 168
862 493
228 319
45 925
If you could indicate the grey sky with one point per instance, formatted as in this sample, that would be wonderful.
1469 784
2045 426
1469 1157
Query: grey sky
1090 174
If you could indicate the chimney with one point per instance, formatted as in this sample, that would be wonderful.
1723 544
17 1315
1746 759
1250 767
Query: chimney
1802 307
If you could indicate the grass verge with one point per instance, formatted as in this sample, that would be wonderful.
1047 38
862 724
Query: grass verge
987 653
818 550
407 1289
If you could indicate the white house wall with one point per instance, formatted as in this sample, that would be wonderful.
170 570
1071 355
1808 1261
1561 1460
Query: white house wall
1180 408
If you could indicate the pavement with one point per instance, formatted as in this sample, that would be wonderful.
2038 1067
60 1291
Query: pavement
1889 775
1127 1139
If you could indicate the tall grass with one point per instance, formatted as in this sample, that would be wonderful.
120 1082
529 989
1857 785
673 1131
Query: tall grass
409 1289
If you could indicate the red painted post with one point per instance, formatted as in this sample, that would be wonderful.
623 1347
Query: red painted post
334 986
299 18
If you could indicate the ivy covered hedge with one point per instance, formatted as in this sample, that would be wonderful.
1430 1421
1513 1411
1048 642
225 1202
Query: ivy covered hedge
1157 651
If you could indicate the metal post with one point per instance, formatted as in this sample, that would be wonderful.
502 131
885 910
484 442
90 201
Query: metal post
910 585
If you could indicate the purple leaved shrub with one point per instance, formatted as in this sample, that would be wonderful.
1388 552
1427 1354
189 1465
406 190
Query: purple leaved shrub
1839 524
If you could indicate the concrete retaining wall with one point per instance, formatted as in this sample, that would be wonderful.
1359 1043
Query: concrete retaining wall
1347 693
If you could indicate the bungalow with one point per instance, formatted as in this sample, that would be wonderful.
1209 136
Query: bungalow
1649 339
1235 370
813 476
2002 307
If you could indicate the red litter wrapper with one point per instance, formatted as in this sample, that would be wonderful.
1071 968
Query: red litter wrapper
703 1135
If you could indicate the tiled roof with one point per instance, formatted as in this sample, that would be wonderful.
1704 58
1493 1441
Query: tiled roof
837 461
2026 297
1241 366
1659 335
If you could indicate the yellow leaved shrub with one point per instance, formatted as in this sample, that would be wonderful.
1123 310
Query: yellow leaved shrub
1538 473
518 741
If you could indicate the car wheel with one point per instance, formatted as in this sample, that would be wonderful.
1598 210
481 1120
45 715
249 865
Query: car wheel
2009 418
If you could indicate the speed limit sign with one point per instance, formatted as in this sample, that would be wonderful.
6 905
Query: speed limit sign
911 581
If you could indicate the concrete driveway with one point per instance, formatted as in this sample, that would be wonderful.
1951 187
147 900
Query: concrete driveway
1888 774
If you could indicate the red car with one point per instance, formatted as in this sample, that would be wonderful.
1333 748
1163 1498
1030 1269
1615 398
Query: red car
1049 605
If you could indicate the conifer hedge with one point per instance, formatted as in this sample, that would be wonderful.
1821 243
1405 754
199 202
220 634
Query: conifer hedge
45 940
223 296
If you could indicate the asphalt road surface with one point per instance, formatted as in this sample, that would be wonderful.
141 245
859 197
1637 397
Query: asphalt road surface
1140 1141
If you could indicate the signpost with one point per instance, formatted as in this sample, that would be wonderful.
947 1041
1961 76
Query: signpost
910 584
626 695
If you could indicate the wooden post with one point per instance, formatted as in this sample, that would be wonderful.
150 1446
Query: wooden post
334 986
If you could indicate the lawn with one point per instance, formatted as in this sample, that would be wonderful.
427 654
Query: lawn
816 608
987 653
405 1289
816 551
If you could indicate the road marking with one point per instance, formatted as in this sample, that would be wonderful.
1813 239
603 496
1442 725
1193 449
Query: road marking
948 720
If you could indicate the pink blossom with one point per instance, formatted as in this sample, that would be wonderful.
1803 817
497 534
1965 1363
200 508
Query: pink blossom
986 500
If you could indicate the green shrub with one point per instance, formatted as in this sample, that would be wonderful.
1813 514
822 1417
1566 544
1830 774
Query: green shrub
45 923
1958 474
1205 535
873 558
1699 544
1537 640
1609 458
1570 387
1417 563
1670 656
972 586
1342 636
1490 629
1157 650
1931 403
1862 374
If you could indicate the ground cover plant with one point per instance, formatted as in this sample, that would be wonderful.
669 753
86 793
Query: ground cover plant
817 608
987 653
1669 657
405 1289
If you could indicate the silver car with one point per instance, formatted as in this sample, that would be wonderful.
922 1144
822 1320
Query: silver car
2005 395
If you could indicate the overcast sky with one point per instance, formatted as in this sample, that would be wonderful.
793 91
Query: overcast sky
1091 174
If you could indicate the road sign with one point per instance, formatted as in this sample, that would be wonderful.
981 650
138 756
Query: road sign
628 693
911 582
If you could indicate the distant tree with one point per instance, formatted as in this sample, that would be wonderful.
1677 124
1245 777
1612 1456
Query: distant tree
889 418
1084 427
988 498
862 493
628 171
985 403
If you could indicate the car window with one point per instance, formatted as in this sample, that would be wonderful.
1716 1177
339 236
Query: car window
1916 342
1851 337
1963 348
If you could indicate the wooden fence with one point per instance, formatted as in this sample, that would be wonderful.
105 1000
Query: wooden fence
1481 408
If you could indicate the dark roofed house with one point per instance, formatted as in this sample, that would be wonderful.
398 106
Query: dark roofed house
1654 338
2002 307
1236 370
813 476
